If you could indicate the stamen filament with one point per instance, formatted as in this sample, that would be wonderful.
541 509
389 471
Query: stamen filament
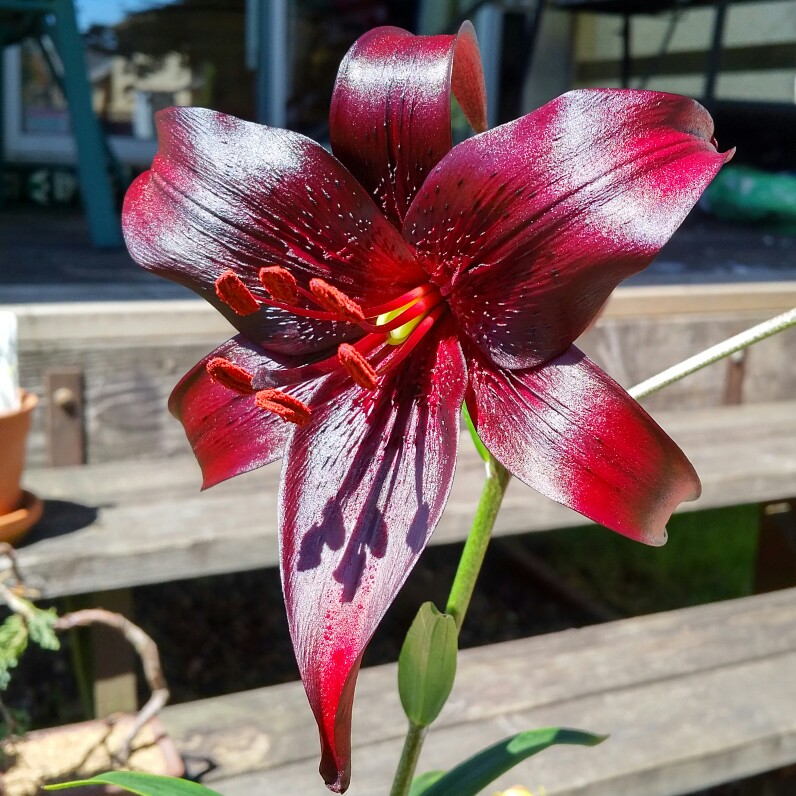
269 378
302 311
420 307
401 301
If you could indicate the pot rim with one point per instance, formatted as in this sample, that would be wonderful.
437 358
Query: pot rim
27 403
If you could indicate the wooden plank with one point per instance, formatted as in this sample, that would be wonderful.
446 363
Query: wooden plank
87 321
647 301
113 659
691 698
153 525
130 370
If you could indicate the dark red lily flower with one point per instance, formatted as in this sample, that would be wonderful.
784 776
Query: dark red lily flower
377 290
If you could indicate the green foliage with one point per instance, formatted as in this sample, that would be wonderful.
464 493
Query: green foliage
474 774
17 631
142 784
421 784
13 642
427 665
709 557
40 627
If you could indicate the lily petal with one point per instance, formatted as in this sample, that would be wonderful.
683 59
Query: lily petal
224 194
572 433
229 434
535 222
390 120
364 484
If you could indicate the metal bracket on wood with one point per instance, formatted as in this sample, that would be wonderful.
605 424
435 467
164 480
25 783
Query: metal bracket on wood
66 435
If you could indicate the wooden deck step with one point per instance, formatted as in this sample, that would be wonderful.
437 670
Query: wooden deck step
691 698
123 524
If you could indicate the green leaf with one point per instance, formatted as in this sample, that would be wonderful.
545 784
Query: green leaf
13 642
421 784
142 784
480 447
427 664
478 771
41 625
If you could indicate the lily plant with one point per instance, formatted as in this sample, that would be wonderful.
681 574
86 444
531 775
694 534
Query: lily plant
379 289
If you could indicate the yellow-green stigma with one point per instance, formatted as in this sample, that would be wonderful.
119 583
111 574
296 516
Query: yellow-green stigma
398 335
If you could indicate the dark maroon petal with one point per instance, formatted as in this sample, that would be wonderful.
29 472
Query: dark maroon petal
364 484
535 222
227 194
228 433
390 120
573 434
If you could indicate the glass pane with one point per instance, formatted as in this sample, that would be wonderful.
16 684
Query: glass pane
43 103
151 55
141 57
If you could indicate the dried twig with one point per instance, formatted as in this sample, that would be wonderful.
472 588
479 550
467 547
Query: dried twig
16 598
11 554
148 653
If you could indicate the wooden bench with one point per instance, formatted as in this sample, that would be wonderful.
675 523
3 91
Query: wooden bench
691 698
125 524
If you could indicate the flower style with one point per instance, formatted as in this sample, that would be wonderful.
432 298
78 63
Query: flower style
377 290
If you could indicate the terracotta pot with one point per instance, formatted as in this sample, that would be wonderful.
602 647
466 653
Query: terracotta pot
14 428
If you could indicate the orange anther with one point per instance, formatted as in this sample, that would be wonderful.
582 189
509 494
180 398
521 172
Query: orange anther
335 301
231 290
230 375
286 406
280 283
357 367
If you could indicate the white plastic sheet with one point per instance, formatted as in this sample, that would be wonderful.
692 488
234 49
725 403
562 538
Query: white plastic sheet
9 372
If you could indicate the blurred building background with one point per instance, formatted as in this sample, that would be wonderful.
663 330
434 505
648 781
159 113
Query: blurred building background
274 61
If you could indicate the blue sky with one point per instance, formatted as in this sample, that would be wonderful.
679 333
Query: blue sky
107 12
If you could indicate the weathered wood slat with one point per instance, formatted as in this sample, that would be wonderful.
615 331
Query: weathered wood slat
691 698
133 353
154 525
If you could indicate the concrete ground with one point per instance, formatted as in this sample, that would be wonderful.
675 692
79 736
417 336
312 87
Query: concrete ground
46 256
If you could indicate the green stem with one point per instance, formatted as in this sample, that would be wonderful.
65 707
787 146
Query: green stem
497 479
713 354
410 754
